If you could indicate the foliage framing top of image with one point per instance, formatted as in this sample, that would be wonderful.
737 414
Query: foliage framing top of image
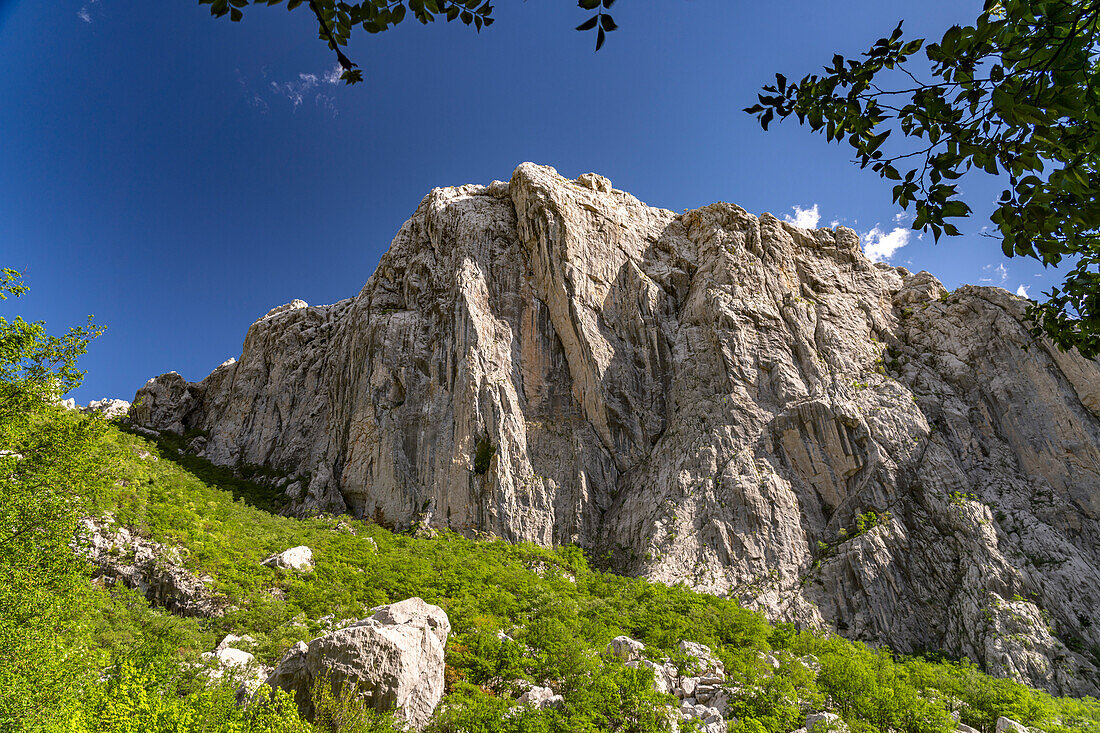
336 20
1015 94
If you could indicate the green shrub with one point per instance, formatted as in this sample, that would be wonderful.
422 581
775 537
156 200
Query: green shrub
150 701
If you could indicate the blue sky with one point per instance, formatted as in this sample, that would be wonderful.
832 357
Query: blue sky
177 176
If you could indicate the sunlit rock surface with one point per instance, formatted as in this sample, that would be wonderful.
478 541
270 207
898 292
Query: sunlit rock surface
711 397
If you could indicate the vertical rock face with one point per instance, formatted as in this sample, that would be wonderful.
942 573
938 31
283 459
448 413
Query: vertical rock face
710 397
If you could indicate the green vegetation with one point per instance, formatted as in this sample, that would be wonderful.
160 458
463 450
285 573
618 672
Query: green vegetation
79 657
336 20
556 612
129 701
483 456
46 474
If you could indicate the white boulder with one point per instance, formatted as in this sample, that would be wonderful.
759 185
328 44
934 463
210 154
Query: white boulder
296 558
626 649
394 660
107 407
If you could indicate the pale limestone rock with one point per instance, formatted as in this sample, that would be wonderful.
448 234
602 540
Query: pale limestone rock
394 659
230 658
626 649
541 698
825 723
296 558
108 407
154 569
291 306
964 728
232 640
702 397
1008 725
237 664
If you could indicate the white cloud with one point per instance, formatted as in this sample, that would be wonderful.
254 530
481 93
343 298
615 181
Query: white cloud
834 223
1022 291
804 218
997 274
880 246
305 88
85 12
332 76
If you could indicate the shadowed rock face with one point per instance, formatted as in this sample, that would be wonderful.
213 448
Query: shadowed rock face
703 397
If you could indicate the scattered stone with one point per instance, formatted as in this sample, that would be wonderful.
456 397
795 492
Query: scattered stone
768 659
541 698
154 569
1008 725
231 658
233 641
626 649
825 723
109 408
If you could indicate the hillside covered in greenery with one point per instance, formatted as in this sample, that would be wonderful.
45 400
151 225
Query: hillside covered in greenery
556 612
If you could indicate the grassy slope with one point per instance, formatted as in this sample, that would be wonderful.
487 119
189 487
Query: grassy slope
559 612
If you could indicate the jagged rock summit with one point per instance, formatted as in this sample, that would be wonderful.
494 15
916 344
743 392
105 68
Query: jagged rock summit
710 397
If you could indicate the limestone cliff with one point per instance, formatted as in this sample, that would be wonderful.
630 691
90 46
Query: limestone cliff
710 397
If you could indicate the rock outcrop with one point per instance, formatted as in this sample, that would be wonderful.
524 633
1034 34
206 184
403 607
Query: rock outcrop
709 397
541 698
156 570
108 407
394 660
701 690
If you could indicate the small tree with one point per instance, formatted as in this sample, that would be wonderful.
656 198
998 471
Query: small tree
47 471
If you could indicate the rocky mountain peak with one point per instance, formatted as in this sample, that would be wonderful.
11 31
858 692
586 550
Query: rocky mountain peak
710 397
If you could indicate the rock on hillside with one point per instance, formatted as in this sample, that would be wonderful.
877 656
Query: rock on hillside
710 396
156 570
394 659
108 407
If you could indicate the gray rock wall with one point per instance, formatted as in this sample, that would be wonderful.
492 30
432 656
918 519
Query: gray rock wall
710 397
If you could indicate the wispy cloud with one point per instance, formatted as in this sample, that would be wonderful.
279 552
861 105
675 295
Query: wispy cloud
85 12
998 274
880 246
804 218
1022 291
316 88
